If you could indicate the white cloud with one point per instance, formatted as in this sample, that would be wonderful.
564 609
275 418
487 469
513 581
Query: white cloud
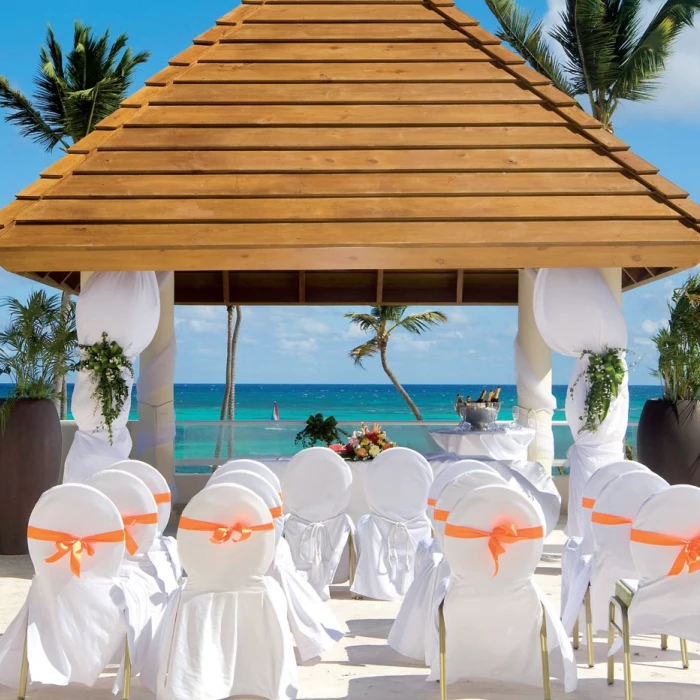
297 347
201 320
407 344
314 327
644 341
650 326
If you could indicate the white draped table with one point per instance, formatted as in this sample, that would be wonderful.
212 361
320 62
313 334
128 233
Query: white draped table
501 443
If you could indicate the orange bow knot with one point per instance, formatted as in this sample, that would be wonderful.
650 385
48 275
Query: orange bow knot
688 556
223 533
691 554
234 533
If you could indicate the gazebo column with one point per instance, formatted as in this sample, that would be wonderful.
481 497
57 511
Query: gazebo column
533 373
155 439
613 276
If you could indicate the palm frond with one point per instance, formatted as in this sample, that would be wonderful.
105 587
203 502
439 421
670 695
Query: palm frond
30 121
368 349
527 39
419 323
366 322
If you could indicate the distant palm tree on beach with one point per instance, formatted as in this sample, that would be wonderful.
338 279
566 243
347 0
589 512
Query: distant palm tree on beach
72 94
228 403
381 322
613 53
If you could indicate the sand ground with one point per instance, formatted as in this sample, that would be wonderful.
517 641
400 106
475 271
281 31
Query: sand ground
363 667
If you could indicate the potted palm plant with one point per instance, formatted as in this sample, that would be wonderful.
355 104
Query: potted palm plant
33 351
668 437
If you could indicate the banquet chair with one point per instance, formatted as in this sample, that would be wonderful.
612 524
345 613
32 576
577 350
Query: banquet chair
665 547
162 559
225 632
396 485
145 601
577 554
314 628
249 465
316 486
494 622
414 633
73 622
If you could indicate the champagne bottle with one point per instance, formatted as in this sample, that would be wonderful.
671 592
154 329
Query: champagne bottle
497 394
482 397
489 399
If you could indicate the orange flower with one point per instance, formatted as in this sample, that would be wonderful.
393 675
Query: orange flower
361 452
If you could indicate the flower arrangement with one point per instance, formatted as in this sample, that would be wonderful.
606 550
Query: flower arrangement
605 374
319 429
108 365
364 444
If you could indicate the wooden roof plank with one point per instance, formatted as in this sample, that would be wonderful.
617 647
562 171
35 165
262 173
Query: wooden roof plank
189 56
342 185
165 76
434 160
408 208
349 32
212 35
63 166
664 186
350 93
342 115
38 188
141 97
90 142
364 13
250 138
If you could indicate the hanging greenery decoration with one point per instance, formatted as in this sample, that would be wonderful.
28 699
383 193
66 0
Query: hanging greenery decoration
604 374
107 363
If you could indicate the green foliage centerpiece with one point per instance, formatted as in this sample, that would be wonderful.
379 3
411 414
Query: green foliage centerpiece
605 374
319 429
108 365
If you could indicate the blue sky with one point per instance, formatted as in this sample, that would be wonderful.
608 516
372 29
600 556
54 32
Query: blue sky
310 345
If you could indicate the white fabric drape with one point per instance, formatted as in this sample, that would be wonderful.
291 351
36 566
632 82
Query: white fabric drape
575 310
126 306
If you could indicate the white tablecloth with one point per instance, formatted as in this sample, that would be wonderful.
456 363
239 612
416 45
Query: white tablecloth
502 443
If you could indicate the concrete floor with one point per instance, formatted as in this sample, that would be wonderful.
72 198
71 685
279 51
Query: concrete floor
363 667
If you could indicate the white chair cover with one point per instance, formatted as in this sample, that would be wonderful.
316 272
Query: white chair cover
667 602
162 559
415 632
145 600
314 627
493 611
615 509
75 625
316 487
576 564
396 485
249 465
126 306
575 310
226 632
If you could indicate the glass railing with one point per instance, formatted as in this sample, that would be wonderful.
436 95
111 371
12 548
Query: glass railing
199 445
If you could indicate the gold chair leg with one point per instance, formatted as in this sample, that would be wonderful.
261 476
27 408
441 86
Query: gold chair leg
576 634
352 559
544 649
24 669
664 642
627 659
684 654
611 641
443 652
589 629
126 681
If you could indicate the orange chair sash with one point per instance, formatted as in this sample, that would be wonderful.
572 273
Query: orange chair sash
75 546
276 512
432 502
162 497
223 533
688 556
607 519
440 515
130 521
588 502
499 537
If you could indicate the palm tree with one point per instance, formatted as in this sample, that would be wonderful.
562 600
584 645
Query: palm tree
381 322
228 403
72 94
612 53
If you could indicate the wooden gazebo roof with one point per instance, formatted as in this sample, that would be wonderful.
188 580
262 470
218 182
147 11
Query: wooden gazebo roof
340 151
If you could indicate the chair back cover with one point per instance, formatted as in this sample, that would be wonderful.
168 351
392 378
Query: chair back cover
316 484
156 483
446 475
136 506
232 562
258 485
598 481
397 483
455 491
249 465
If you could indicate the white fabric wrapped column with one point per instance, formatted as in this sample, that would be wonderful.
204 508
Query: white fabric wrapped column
533 375
576 310
126 306
156 390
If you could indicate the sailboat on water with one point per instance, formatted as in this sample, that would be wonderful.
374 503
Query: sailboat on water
275 411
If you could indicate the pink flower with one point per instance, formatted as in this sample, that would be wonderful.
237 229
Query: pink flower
337 448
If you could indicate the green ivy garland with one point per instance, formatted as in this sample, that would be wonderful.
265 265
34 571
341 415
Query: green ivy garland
106 363
604 374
